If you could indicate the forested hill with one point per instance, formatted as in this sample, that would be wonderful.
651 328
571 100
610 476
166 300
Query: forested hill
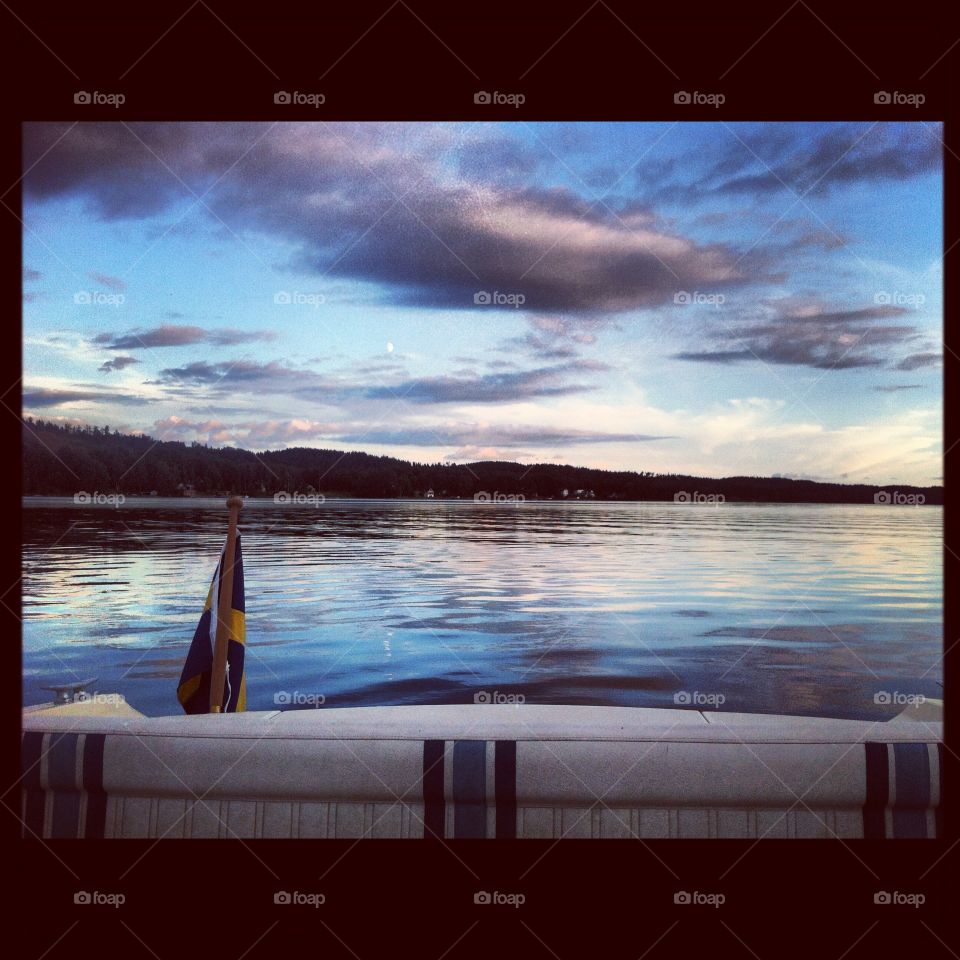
63 460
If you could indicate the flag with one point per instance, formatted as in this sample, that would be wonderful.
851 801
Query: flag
193 691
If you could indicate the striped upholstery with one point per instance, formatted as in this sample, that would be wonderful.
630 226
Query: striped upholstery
63 793
320 775
901 779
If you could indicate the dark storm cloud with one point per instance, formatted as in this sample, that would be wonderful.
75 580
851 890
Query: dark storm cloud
437 241
176 335
113 167
828 340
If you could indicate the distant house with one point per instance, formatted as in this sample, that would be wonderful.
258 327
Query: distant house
186 490
429 494
153 493
566 492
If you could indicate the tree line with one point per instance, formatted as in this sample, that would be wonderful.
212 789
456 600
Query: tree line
62 460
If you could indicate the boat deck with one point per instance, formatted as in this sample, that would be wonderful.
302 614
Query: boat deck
480 770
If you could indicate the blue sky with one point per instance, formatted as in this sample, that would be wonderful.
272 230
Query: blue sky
704 298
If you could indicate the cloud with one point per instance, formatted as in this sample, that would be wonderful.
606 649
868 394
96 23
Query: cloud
917 361
117 363
123 179
503 436
114 283
480 454
498 160
229 336
271 377
30 274
262 434
256 434
178 335
177 428
555 338
330 184
897 387
286 431
354 383
54 397
768 161
548 381
809 335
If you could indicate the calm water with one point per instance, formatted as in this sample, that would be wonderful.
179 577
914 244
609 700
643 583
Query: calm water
788 609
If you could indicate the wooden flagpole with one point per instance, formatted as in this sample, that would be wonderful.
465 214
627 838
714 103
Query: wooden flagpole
224 609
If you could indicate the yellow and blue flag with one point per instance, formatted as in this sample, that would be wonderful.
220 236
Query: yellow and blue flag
193 691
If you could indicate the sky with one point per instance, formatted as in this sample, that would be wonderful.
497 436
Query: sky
712 299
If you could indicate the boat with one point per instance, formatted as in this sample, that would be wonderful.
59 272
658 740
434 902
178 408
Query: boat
94 767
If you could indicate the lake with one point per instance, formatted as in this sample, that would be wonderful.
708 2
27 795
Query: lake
771 608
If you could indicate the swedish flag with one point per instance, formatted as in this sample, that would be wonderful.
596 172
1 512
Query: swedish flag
193 691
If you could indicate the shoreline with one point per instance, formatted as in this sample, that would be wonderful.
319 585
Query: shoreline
519 502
